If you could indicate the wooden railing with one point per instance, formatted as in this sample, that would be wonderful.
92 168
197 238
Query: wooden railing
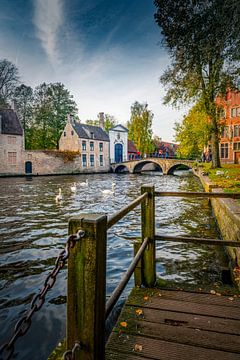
86 294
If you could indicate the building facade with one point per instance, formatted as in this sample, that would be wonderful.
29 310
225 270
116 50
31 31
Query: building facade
11 143
118 137
230 127
90 142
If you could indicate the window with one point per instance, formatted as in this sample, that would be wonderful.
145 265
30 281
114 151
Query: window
92 135
84 160
12 158
64 134
72 132
101 147
12 140
224 151
222 114
235 112
101 160
91 160
236 146
224 131
236 131
91 145
84 146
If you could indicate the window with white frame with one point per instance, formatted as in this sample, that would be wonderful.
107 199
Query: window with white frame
224 131
236 130
84 160
91 160
236 145
101 147
84 145
224 150
235 112
12 158
101 160
91 145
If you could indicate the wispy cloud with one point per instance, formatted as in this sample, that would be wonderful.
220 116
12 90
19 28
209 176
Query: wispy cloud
48 18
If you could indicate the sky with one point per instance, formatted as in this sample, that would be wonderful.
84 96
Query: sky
107 53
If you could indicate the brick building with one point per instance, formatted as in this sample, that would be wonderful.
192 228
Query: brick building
230 127
91 142
11 143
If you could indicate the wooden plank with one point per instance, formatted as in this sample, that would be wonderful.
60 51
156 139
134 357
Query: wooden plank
198 194
197 240
202 298
194 321
163 350
112 355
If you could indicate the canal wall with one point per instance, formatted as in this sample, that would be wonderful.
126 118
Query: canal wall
227 213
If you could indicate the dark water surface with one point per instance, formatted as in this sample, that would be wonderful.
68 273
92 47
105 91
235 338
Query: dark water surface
34 230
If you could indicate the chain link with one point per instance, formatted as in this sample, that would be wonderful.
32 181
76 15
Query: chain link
69 354
23 325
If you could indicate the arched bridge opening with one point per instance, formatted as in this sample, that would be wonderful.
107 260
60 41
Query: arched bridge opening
121 169
145 166
179 169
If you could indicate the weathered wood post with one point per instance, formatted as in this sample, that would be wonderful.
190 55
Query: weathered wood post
87 287
148 230
138 270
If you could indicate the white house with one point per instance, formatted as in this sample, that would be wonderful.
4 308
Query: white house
118 137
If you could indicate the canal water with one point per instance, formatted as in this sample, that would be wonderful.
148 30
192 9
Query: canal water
34 230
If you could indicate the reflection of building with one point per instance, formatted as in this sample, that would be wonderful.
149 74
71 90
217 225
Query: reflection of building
230 127
11 143
118 137
91 142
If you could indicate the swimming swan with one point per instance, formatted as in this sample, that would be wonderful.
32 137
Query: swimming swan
109 192
59 197
74 187
84 183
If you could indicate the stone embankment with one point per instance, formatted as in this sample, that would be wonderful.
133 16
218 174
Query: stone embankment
227 213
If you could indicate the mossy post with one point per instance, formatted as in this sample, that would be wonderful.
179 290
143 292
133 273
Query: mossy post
138 270
148 230
87 287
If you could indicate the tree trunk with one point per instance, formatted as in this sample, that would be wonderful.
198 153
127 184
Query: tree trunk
215 145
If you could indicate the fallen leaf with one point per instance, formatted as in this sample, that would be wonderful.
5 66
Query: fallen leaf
159 294
218 294
231 298
123 324
146 298
213 292
138 347
139 312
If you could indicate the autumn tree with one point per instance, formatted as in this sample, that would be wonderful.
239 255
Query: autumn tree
203 39
8 81
140 127
193 133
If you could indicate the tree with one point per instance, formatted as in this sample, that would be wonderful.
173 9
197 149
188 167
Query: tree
140 127
193 133
52 103
109 121
204 44
8 81
23 97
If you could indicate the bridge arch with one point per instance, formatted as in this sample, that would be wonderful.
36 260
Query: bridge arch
121 169
139 166
180 166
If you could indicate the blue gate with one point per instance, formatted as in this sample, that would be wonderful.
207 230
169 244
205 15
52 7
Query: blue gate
118 153
28 167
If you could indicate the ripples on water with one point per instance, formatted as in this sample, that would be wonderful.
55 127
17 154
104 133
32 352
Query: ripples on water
34 230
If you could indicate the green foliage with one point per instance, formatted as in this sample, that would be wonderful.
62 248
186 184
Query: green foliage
109 122
193 133
140 128
204 44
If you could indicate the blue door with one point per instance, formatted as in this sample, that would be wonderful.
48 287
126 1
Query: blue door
118 153
28 167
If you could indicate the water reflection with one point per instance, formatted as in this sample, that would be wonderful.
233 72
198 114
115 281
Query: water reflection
34 230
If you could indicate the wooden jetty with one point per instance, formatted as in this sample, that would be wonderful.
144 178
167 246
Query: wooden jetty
154 323
168 324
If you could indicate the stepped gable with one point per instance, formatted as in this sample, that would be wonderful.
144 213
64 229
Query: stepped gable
85 131
10 123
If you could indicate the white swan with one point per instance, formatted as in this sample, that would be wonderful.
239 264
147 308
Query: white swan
84 183
59 197
109 192
73 187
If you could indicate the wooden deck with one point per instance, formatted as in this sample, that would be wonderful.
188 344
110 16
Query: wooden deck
168 324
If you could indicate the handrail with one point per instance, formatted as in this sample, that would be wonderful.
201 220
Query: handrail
197 194
121 286
197 240
125 210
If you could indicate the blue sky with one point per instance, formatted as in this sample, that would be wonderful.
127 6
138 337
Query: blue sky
106 52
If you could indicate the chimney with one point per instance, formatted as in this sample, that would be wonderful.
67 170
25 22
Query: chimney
14 105
69 118
101 120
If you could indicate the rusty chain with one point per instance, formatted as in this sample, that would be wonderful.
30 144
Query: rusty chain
23 325
69 354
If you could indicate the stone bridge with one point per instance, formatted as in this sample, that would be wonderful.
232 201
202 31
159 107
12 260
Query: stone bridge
167 166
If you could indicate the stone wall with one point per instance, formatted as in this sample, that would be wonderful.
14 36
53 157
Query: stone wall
11 154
